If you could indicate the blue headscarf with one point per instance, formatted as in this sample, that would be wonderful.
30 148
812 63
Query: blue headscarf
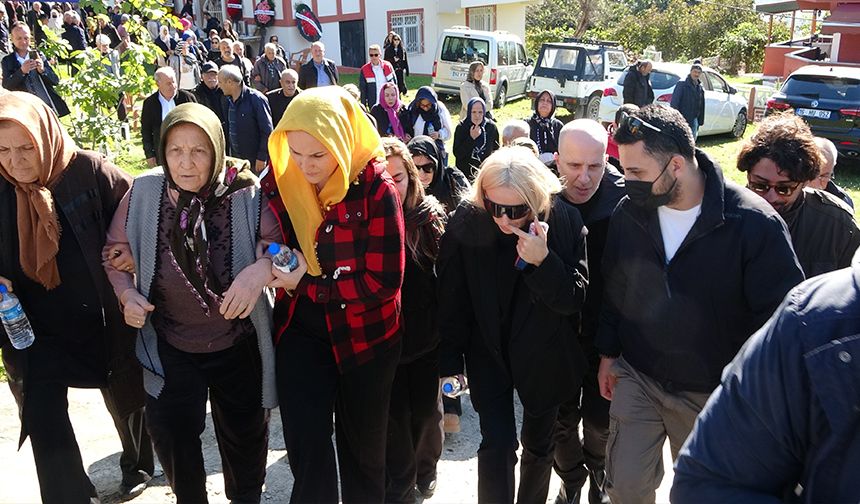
430 116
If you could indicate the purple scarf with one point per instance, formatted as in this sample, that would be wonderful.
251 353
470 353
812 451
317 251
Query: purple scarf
393 120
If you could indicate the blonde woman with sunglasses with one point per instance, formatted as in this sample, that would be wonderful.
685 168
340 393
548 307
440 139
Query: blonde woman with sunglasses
512 278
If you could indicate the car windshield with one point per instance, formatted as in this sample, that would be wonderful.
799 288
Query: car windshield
659 80
465 50
560 58
823 87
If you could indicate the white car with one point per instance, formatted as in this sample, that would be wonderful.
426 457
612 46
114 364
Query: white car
725 110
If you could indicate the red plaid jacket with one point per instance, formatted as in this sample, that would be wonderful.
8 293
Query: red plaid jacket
360 247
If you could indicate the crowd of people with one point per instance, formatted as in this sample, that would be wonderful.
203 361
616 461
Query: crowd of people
606 291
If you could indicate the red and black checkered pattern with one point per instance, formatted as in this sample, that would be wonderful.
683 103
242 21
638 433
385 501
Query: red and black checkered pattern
360 247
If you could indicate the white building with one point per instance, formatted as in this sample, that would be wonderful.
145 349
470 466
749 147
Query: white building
350 26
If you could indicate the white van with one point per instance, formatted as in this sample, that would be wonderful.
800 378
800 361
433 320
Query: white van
507 66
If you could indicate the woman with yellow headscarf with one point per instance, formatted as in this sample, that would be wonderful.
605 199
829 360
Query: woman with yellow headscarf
337 316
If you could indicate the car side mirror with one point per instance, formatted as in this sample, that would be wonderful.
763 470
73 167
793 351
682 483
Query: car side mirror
530 62
732 90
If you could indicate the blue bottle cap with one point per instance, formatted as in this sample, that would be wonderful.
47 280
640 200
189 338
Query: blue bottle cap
274 248
3 289
447 388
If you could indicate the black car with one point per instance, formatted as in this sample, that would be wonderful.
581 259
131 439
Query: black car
828 99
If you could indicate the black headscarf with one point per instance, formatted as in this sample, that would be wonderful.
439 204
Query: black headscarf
542 132
440 186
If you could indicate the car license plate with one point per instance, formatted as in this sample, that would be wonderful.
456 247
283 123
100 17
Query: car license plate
459 74
814 113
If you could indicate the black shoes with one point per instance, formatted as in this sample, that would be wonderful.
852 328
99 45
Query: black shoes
426 490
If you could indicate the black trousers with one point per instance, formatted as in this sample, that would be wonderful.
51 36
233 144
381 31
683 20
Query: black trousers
415 433
310 391
493 399
232 380
59 467
574 458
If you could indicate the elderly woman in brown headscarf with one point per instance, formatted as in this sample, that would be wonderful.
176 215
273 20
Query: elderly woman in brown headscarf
56 202
196 227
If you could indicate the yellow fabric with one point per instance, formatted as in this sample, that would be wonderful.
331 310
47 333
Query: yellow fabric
336 120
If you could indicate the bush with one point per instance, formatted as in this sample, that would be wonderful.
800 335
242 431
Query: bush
743 45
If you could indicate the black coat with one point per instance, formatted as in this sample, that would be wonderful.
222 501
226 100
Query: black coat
689 99
14 80
150 120
87 194
680 323
308 73
213 99
545 362
464 145
637 88
75 36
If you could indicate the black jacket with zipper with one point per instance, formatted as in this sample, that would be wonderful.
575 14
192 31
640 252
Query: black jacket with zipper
680 323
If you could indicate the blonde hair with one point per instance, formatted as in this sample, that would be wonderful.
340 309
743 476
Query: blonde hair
517 168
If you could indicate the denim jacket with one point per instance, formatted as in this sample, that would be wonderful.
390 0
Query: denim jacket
784 426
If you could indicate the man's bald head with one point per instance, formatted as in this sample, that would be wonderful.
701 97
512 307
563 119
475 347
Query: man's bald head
828 151
581 158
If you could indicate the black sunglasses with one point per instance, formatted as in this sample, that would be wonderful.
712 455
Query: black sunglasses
513 212
782 190
635 125
427 168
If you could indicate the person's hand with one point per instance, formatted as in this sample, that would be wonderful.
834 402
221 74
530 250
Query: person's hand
241 297
434 135
8 283
475 131
28 66
135 308
120 258
532 248
407 138
605 379
289 281
40 65
150 162
259 166
257 78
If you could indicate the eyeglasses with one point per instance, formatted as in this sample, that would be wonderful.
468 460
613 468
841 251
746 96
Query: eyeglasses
635 125
427 168
374 55
513 212
782 190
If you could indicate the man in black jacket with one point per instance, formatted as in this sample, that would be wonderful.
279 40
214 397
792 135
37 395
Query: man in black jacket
637 84
155 108
208 93
780 160
693 265
594 187
280 98
31 75
689 99
319 71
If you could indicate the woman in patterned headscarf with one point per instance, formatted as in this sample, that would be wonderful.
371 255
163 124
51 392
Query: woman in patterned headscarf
544 126
194 226
475 138
338 314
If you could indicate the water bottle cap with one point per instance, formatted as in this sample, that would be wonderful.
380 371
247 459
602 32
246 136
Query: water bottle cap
274 248
3 289
447 388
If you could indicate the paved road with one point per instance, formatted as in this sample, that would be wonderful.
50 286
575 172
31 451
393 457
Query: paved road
100 448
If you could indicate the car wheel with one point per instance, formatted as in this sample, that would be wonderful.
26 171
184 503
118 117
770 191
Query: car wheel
502 97
592 108
740 124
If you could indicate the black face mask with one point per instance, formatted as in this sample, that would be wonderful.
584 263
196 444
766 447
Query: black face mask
640 193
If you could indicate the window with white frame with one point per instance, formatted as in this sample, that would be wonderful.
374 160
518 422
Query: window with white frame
410 27
482 18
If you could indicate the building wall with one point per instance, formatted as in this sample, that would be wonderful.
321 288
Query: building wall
849 48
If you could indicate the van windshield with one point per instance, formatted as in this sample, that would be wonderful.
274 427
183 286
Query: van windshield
465 50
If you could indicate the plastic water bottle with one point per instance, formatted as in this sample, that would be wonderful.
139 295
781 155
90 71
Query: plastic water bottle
451 387
519 263
283 258
15 321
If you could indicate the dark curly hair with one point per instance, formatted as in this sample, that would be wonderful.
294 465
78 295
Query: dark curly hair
786 140
675 136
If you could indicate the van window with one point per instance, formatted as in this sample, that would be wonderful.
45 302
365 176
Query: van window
560 58
465 49
617 60
717 82
521 55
